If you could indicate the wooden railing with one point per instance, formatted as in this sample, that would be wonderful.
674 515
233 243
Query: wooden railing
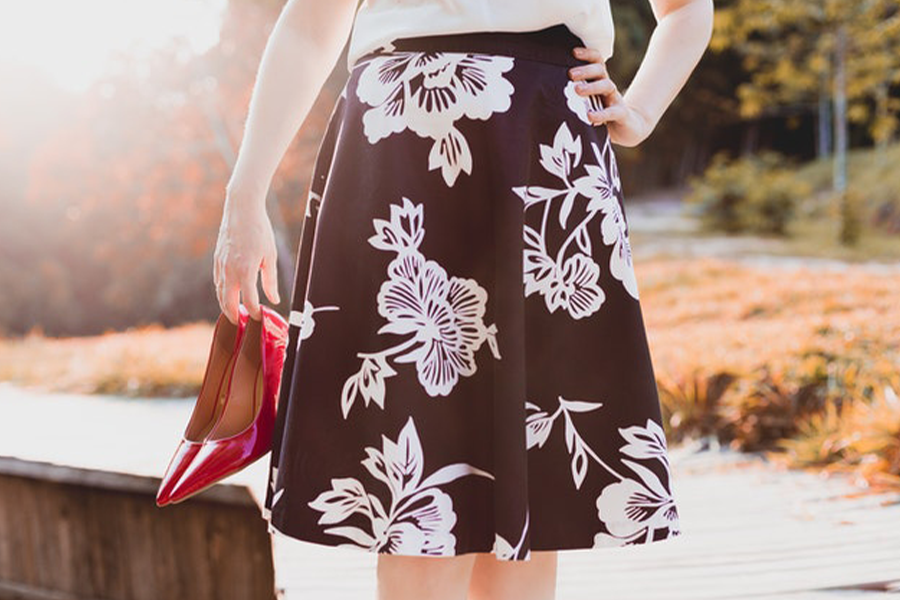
69 533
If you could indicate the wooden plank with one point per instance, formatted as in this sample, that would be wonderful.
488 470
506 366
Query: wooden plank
93 478
71 539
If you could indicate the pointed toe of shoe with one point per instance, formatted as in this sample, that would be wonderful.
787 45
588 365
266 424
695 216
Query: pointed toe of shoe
184 453
212 463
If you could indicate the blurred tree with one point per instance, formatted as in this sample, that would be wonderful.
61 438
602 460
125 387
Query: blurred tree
817 54
124 197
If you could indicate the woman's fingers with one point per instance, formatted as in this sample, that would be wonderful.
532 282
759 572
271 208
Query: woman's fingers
593 80
604 86
216 268
591 54
615 112
595 69
246 246
230 298
249 293
269 274
589 71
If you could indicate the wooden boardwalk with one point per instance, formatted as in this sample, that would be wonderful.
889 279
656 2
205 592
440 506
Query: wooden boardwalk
750 530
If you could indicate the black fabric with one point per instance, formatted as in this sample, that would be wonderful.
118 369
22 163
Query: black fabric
552 45
467 367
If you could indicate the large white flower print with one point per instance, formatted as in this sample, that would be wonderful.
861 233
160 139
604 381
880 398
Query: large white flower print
572 282
633 508
636 505
442 315
428 92
419 518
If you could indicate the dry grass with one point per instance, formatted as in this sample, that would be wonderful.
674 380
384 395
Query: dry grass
148 361
773 359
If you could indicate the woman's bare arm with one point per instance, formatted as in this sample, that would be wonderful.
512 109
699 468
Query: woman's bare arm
300 53
682 33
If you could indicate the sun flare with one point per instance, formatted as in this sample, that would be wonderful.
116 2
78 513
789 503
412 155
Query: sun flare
73 42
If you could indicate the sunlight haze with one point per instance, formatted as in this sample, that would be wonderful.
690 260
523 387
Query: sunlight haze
73 42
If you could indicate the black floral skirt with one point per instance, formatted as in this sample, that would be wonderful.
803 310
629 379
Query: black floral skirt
467 368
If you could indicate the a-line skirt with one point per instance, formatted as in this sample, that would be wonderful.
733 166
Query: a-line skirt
467 368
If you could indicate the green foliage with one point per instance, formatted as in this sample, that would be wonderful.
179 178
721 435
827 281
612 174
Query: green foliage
753 194
875 185
851 217
789 50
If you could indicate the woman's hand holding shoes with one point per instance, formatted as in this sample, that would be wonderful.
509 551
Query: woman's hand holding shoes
245 246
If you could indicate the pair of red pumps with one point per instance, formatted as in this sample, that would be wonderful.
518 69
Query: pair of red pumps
232 422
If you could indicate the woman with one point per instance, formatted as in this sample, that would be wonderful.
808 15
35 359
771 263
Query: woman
433 409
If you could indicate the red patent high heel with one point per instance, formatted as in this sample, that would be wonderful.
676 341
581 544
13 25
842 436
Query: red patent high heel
210 401
251 396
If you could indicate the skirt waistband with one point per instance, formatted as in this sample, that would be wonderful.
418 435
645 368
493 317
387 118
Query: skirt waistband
552 44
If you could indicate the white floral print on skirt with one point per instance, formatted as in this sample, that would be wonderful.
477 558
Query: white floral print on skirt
467 367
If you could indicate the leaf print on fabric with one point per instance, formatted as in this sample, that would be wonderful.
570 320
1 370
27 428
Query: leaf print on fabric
539 424
572 282
419 518
304 319
428 92
504 550
442 315
276 494
636 505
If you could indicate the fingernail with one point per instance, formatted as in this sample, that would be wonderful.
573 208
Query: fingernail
578 51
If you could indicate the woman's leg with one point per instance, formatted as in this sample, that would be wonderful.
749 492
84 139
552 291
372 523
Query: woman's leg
424 577
494 579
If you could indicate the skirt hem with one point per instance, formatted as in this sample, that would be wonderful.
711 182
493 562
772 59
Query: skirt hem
674 532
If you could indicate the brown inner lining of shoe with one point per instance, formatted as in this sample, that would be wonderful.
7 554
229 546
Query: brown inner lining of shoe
247 385
209 402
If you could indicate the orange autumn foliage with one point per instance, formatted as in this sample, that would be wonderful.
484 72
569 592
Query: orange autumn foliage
752 355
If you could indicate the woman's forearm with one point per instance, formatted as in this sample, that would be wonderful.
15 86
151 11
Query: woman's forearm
676 46
300 53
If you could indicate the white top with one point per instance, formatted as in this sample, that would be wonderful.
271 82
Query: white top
380 22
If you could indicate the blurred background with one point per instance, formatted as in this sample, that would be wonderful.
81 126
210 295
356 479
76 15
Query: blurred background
764 214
